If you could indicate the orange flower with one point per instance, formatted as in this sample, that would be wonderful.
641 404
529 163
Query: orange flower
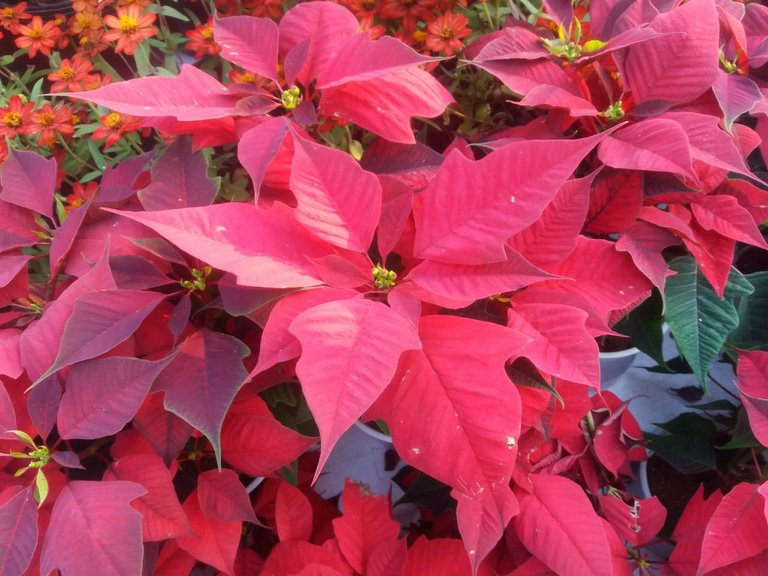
48 121
85 24
409 10
11 17
91 45
80 194
71 74
201 40
364 10
129 28
140 3
266 8
85 5
15 118
447 32
39 36
113 126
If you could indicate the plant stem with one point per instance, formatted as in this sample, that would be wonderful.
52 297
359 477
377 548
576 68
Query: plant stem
107 67
724 389
488 16
13 77
73 155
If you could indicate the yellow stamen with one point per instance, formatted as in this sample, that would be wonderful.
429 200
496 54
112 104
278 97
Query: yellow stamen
128 25
67 73
45 119
12 119
114 121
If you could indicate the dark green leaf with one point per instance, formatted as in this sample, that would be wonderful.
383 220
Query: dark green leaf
699 320
688 454
752 331
644 327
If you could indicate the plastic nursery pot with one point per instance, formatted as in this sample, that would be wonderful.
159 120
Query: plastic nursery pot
614 364
362 454
372 431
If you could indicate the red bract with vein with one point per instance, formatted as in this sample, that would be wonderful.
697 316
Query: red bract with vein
345 310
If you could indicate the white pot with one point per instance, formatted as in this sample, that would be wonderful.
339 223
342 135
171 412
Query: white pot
360 454
614 364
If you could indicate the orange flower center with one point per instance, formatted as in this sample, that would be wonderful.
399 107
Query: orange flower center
446 33
114 121
207 33
35 34
77 202
85 19
419 36
45 119
128 25
66 73
12 119
9 14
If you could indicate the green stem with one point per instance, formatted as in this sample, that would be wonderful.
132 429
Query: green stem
516 12
73 155
13 77
487 13
106 67
163 22
530 7
724 389
130 139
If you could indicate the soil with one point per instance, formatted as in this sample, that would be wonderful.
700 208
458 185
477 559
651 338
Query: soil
674 489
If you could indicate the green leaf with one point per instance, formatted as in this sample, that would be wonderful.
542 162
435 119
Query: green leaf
173 13
593 45
752 331
523 373
722 405
83 129
24 437
61 213
690 424
92 175
37 90
742 436
6 59
699 320
676 365
644 326
143 66
687 454
98 157
41 488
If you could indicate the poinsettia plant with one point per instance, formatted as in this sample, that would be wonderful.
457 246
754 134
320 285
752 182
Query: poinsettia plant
428 240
